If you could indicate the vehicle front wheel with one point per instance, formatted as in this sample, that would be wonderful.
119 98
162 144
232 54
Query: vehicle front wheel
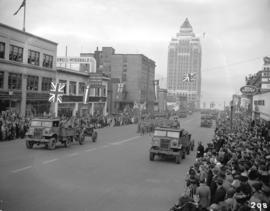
51 144
29 144
81 139
151 156
94 136
68 142
178 159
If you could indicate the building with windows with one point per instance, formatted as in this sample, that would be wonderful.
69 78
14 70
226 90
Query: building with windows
261 107
76 83
184 65
132 78
262 78
162 100
27 67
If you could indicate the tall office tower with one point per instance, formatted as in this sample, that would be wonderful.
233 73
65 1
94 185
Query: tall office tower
184 66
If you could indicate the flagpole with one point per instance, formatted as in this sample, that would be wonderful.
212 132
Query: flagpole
24 12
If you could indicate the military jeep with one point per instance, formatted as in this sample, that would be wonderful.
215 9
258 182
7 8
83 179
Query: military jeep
48 132
170 142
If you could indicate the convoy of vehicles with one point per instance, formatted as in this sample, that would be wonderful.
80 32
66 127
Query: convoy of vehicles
48 132
170 142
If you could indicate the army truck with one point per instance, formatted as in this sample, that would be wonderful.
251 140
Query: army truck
170 142
44 131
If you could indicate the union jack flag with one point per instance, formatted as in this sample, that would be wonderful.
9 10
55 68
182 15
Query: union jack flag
120 87
189 77
56 92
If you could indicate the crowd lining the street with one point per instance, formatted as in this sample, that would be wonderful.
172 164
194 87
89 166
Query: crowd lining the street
12 126
233 172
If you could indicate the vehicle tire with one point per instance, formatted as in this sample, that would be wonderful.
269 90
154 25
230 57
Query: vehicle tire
94 136
178 158
29 144
68 142
183 155
151 156
52 143
81 139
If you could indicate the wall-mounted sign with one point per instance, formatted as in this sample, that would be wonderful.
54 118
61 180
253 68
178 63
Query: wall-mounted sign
77 60
249 90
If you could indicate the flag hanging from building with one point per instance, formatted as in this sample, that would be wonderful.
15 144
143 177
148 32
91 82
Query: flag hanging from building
136 105
189 77
22 5
120 87
56 92
86 94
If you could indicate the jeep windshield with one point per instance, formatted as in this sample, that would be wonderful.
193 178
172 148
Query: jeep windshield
41 124
173 134
160 133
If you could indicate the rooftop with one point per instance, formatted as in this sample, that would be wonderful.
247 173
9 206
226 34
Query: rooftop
186 24
26 33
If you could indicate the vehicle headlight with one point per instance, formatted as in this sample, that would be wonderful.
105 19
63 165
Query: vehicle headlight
155 142
47 131
174 143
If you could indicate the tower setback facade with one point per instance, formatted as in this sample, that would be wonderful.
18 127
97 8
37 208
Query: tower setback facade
184 66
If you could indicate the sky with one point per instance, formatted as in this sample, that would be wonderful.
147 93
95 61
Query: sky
237 33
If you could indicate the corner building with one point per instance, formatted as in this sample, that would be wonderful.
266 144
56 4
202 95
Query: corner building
184 57
27 67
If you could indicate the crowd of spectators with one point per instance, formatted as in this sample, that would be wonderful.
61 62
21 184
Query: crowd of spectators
232 173
12 126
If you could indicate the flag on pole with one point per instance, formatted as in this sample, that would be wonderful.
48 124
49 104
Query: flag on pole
86 93
56 92
22 5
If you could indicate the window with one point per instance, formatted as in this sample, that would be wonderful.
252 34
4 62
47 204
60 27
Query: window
46 84
96 92
81 88
92 91
16 53
104 92
64 82
2 50
47 61
124 77
33 57
1 80
72 88
14 81
32 83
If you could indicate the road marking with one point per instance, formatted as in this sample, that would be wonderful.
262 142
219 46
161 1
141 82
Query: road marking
72 154
49 161
90 150
21 169
105 146
124 141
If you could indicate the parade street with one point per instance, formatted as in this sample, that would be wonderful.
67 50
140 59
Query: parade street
113 174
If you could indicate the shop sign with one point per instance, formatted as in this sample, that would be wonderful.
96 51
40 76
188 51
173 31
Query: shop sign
248 90
71 98
95 84
97 99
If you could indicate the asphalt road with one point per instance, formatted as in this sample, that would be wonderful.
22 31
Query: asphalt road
114 174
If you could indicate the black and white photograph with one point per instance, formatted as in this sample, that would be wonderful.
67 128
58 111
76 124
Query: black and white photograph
134 105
